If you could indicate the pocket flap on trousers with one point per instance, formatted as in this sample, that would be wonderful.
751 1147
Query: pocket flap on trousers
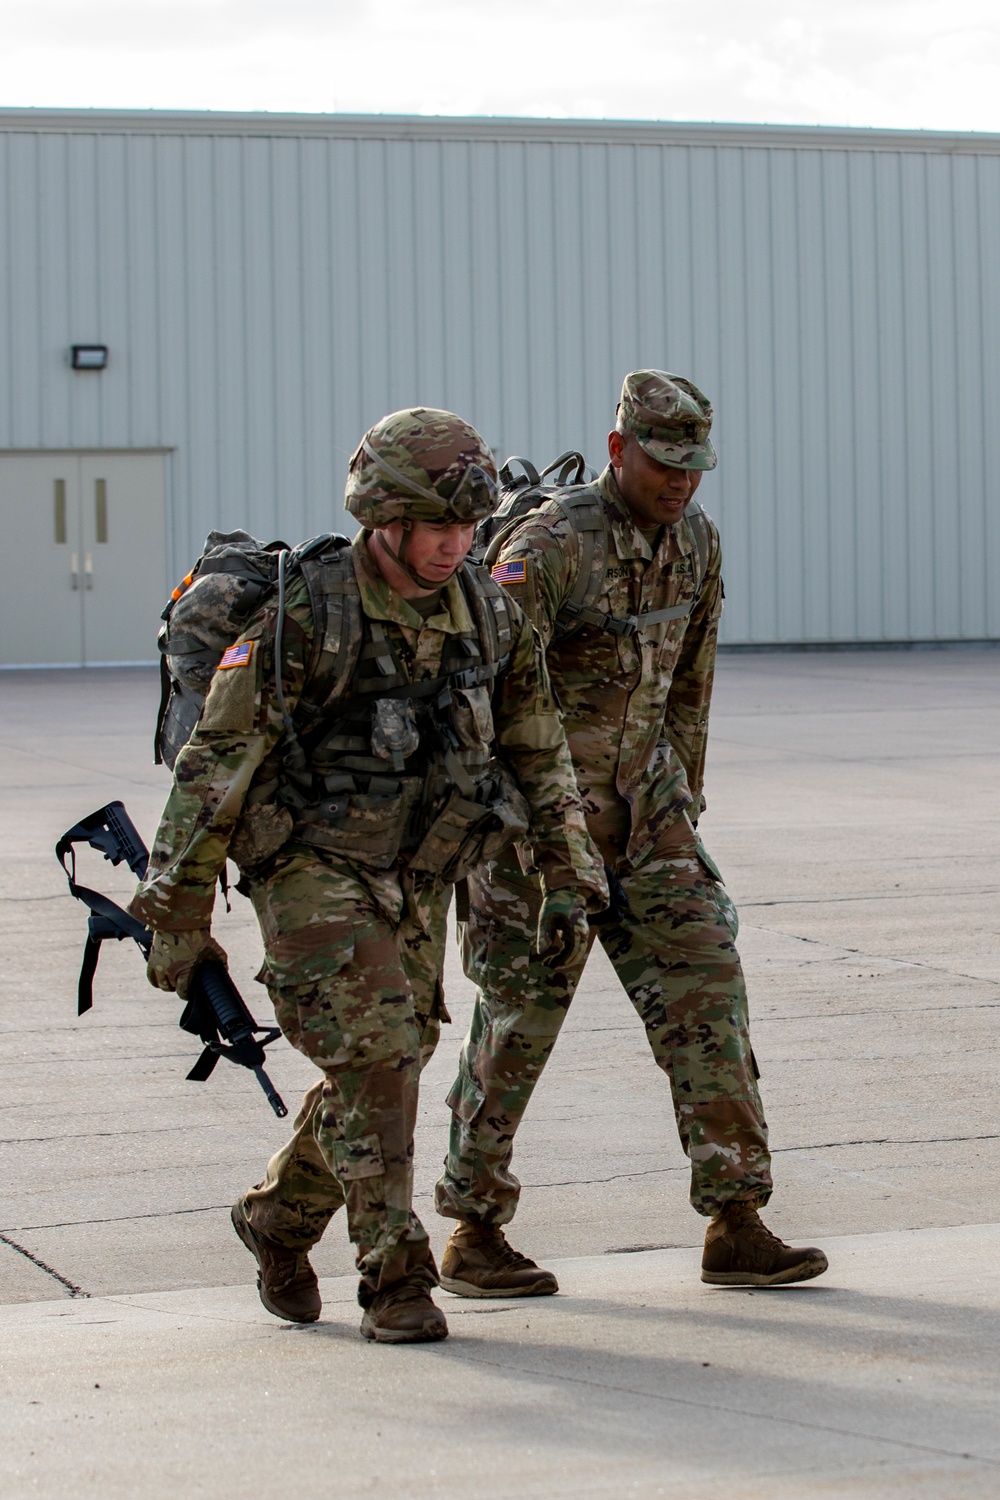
466 1098
360 1158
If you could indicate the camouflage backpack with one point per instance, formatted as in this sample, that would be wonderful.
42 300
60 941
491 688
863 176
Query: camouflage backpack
205 614
572 487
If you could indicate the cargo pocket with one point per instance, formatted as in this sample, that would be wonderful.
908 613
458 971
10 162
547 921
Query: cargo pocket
724 904
468 832
360 1158
466 1099
263 828
366 828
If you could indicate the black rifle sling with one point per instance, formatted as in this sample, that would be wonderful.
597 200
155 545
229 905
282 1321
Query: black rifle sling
107 919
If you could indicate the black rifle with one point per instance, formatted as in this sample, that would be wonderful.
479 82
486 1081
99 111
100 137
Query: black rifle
215 1009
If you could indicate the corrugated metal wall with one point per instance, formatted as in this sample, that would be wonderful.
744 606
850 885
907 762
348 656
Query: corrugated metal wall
270 286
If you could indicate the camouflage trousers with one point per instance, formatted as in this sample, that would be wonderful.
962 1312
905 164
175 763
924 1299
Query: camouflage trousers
360 995
676 958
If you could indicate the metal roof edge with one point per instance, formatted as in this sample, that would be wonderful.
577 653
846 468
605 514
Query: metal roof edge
490 128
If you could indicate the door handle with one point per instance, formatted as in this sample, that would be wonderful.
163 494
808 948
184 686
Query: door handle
74 573
88 571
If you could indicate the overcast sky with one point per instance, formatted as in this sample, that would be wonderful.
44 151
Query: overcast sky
899 63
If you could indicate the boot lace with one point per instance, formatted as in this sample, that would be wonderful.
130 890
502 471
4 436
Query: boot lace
750 1226
285 1265
504 1256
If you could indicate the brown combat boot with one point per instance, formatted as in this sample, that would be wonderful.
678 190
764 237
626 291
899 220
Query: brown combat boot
285 1280
742 1251
478 1262
404 1314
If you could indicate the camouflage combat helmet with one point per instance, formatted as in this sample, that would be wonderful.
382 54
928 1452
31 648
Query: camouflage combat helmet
420 464
670 417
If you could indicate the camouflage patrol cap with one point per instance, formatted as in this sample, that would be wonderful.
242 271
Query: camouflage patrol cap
670 417
421 464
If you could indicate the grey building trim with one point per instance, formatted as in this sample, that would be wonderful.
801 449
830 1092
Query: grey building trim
494 128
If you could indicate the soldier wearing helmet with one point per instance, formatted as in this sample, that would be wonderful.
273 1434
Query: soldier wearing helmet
622 581
390 725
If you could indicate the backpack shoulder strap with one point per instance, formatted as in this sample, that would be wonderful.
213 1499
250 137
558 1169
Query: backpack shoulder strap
491 609
326 567
584 510
702 534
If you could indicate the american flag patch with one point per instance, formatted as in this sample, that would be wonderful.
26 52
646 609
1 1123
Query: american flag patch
237 656
515 571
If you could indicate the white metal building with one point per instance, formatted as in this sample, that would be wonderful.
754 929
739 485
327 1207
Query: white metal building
267 286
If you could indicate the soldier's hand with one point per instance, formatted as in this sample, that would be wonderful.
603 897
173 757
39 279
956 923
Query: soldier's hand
563 930
173 957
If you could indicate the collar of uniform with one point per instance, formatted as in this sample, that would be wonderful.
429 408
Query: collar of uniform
627 538
380 602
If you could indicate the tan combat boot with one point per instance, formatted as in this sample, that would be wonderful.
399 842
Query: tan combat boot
404 1314
285 1280
741 1251
478 1262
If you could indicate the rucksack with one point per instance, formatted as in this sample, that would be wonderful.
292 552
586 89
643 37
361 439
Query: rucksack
572 488
204 615
522 493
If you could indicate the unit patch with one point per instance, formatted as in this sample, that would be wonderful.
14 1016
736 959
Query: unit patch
514 571
237 656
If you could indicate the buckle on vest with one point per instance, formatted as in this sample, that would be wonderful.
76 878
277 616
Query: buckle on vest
628 626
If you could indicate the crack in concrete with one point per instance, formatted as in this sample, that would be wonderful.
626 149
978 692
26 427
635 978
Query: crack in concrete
173 1213
876 1010
57 897
869 896
659 1171
634 1391
876 958
71 1286
96 1135
888 1140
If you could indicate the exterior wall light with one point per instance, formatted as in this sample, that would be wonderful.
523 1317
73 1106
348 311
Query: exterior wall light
89 356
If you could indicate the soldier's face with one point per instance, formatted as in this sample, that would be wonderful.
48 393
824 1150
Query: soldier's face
656 494
434 549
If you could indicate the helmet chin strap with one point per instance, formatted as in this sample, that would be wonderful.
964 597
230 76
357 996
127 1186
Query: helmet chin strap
431 585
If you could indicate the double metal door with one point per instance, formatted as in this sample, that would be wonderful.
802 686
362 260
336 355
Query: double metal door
83 540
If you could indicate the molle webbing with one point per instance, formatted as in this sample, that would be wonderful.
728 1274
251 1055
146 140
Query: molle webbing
336 609
584 510
355 662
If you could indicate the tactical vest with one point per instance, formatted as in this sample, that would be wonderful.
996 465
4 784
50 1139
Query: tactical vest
583 508
377 768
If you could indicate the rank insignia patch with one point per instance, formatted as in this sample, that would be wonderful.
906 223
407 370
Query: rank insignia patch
515 571
237 656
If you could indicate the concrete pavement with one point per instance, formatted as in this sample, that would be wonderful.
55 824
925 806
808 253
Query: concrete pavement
636 1380
854 806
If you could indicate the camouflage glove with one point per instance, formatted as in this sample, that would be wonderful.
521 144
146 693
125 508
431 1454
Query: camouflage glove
173 957
563 930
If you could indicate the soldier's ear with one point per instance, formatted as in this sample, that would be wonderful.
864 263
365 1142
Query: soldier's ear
616 447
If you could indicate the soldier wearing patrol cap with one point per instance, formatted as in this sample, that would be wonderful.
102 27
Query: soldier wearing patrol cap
390 724
622 581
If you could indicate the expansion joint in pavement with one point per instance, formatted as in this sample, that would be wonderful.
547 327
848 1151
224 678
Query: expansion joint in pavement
71 1286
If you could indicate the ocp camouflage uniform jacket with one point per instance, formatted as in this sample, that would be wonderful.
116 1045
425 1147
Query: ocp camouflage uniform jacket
236 747
635 708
